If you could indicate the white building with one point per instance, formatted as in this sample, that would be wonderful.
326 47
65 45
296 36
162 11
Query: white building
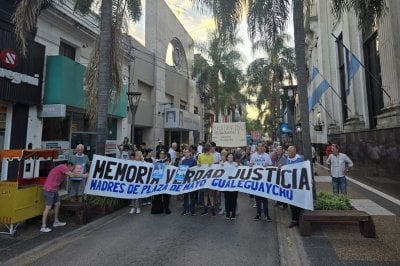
366 120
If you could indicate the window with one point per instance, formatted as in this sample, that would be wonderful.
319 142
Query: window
373 78
67 50
196 110
342 76
56 129
182 105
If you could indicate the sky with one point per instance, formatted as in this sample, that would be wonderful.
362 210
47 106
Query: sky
198 26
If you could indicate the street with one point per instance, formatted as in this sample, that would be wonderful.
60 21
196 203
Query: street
147 239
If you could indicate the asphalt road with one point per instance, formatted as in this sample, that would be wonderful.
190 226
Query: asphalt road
147 239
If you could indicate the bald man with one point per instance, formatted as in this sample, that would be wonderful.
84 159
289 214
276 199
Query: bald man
293 157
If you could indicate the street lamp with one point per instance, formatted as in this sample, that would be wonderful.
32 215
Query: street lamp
133 98
289 93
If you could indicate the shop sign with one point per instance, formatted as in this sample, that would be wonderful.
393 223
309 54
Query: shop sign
9 59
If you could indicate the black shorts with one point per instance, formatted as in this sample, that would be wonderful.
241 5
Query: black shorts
50 198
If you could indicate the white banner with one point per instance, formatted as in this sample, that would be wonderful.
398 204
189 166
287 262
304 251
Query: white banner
128 179
229 134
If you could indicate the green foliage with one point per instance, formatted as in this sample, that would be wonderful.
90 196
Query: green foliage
253 125
105 202
368 12
329 201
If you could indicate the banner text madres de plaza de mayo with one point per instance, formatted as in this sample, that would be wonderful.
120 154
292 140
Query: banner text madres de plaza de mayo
127 179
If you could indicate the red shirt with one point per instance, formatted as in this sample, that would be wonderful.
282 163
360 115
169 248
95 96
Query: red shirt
328 150
55 178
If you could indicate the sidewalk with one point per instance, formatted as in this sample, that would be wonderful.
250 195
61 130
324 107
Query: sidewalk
344 244
327 245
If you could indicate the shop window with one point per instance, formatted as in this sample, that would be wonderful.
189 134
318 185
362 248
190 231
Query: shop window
56 129
67 50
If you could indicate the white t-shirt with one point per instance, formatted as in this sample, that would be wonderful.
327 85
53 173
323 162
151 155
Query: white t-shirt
217 157
199 149
172 154
263 159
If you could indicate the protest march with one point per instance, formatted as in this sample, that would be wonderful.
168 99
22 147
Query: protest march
129 179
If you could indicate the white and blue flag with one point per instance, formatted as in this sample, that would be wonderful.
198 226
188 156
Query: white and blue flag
318 86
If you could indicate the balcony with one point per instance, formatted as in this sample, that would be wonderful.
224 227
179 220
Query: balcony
64 85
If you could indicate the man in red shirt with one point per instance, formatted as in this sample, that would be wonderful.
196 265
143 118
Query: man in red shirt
50 189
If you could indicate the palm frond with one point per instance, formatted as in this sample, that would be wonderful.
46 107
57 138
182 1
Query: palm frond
368 12
25 18
267 18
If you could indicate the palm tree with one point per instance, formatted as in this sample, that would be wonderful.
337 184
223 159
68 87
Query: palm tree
267 18
265 77
104 70
221 73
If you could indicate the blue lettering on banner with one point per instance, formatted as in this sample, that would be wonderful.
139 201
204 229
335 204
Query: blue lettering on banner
125 179
109 186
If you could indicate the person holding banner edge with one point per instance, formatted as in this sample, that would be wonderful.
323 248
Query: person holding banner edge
261 158
293 157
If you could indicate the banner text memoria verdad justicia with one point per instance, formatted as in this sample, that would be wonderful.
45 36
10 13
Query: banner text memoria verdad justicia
128 179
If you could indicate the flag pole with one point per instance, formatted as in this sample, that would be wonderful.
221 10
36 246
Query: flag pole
366 69
334 91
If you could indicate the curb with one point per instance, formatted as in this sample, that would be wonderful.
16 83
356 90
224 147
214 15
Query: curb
34 254
290 243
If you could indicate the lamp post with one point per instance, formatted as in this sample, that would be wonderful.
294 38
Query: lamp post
133 98
290 93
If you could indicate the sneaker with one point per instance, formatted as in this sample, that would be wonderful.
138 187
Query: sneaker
254 205
268 219
205 212
192 214
221 211
45 230
212 212
132 211
59 224
138 210
227 216
168 211
257 218
233 217
184 213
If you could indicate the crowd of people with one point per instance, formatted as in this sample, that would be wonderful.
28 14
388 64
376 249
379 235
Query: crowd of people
206 200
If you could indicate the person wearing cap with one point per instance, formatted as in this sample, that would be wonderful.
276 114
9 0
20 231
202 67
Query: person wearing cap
77 184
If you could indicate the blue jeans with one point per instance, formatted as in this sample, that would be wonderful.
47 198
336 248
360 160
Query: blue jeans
339 184
189 201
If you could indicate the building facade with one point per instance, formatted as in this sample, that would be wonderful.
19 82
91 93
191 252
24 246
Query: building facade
360 112
42 102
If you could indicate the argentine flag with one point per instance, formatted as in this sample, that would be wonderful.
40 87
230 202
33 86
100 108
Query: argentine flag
318 86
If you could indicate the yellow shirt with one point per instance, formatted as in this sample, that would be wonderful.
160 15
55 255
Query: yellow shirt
205 159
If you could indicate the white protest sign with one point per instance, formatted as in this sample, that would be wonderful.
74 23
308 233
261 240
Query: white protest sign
128 179
229 134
